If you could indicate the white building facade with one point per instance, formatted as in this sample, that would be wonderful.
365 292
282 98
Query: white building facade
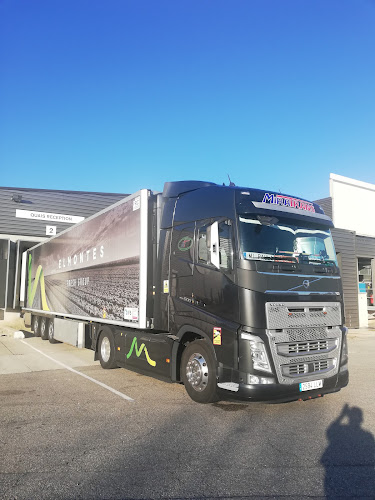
351 205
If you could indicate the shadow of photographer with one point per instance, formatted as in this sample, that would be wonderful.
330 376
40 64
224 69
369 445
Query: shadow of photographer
349 459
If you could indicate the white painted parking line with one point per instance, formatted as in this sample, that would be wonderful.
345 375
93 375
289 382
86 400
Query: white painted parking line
118 393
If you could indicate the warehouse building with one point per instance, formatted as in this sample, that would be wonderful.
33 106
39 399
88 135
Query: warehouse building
351 205
29 216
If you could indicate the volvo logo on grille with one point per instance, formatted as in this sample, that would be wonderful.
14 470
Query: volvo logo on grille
306 283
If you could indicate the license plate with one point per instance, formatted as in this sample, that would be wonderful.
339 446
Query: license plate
309 386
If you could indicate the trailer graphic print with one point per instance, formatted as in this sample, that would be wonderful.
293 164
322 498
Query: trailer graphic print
32 289
138 352
92 269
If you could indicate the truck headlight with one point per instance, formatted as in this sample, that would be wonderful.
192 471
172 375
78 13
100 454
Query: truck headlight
258 352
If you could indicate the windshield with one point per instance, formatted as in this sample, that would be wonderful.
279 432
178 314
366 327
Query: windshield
279 239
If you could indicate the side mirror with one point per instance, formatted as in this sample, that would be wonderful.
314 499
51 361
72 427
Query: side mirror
214 245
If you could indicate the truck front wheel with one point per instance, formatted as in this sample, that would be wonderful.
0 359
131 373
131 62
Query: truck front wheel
198 370
106 350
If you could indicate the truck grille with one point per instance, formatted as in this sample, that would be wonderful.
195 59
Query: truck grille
302 369
301 348
305 339
302 315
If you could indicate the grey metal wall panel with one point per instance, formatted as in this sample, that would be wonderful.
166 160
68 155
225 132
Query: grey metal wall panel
326 204
365 246
345 243
83 204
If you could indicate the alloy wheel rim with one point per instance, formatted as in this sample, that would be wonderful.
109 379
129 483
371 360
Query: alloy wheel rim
197 372
105 349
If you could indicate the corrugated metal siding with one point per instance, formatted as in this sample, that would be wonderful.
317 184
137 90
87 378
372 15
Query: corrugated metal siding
83 204
365 246
345 243
326 204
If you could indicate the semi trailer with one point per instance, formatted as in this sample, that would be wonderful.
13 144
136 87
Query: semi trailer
234 292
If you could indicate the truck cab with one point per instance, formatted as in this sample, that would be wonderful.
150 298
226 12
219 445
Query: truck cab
248 285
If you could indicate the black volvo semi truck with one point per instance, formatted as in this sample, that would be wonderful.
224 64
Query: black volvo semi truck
234 292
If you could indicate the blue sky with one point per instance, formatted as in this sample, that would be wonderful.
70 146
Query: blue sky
118 95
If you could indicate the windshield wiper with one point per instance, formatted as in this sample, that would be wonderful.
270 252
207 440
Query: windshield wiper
314 259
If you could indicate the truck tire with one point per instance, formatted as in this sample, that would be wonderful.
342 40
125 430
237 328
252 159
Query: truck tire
50 332
36 326
198 371
44 328
106 350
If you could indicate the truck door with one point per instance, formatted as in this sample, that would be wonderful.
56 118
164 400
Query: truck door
181 272
213 274
214 290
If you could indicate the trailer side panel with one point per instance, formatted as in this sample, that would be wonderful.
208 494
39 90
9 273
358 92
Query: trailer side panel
92 271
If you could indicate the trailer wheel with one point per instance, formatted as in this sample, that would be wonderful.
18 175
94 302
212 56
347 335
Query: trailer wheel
44 328
50 331
198 371
36 326
106 350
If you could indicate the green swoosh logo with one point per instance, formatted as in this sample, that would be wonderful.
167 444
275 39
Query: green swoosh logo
139 352
31 291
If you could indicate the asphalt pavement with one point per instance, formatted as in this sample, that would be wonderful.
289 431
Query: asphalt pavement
67 431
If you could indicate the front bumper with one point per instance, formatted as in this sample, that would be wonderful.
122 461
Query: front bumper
279 393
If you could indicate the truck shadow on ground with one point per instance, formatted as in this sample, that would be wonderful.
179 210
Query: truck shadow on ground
349 459
231 407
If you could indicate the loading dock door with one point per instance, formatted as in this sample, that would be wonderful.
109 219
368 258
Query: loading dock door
365 275
22 246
